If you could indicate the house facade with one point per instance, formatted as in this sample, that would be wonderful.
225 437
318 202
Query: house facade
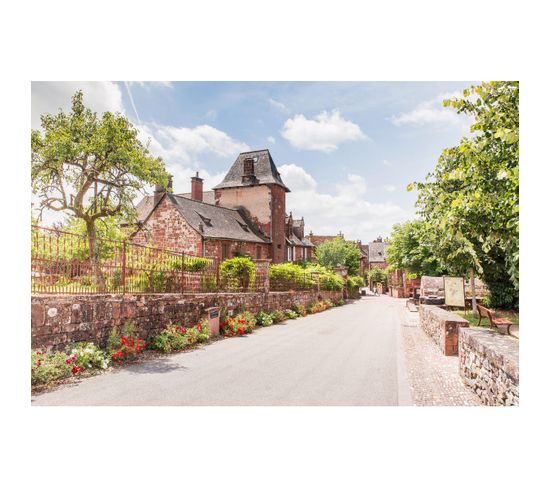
245 214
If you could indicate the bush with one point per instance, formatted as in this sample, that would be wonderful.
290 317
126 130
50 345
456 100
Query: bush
88 356
48 367
291 314
241 324
126 345
300 310
328 279
319 306
354 283
238 274
177 337
278 316
263 319
286 276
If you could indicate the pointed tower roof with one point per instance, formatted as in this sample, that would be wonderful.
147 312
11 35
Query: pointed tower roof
265 171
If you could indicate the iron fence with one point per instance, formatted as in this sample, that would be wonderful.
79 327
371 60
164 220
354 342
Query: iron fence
61 263
305 280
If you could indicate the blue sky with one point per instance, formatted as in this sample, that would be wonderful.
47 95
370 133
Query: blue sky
346 150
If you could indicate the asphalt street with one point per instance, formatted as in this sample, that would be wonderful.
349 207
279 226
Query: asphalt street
350 355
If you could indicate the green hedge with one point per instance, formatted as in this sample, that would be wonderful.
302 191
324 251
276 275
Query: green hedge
238 274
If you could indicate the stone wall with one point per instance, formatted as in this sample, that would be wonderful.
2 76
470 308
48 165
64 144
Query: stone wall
59 320
442 326
489 365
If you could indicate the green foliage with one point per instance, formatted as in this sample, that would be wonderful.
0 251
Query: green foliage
263 319
470 203
354 283
378 275
241 324
48 367
411 248
277 316
290 276
91 167
291 314
88 355
300 310
238 274
339 252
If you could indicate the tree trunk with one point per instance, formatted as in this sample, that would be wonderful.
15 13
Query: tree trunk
94 257
473 286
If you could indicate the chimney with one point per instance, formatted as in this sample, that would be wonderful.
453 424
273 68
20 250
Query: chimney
248 171
196 187
160 190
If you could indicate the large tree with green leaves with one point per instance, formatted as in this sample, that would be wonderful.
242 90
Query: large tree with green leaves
471 200
339 252
412 249
91 167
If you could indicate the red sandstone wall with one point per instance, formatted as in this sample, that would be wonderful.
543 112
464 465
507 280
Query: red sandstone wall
213 248
57 321
166 229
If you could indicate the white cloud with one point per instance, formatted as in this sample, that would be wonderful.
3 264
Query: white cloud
431 112
387 163
347 209
150 84
390 188
278 105
181 148
50 96
271 140
323 133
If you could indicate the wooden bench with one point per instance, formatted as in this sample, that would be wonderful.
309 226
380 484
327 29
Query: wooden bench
496 322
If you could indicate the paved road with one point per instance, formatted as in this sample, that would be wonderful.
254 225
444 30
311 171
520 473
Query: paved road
349 355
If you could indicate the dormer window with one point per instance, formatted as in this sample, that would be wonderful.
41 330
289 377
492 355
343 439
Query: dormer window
244 226
206 220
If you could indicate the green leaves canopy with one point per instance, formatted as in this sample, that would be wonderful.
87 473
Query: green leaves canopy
339 252
470 203
90 166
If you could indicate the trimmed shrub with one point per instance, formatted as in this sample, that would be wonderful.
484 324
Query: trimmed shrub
238 274
289 276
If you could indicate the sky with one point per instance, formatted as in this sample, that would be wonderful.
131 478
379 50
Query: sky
346 150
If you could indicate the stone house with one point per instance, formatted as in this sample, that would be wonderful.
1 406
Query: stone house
244 214
299 247
377 253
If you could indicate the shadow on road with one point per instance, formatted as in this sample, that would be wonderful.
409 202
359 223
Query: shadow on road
158 366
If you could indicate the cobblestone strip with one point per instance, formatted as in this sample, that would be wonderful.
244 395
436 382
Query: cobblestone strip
433 377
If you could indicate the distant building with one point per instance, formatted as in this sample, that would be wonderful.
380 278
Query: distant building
377 253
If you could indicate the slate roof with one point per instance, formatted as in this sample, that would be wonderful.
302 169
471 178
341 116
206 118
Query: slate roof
377 251
216 222
144 207
264 170
207 196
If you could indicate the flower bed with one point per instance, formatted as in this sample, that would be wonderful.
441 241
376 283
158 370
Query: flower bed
125 345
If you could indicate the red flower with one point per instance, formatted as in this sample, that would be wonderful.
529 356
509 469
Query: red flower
76 369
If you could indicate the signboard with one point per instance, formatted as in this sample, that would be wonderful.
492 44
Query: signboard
454 291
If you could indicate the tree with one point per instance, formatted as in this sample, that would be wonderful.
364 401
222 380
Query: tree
339 252
412 249
471 201
378 275
91 167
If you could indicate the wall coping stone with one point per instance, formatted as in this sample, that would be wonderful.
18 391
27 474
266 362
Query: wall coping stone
501 350
445 314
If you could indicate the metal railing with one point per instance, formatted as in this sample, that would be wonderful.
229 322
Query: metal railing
61 264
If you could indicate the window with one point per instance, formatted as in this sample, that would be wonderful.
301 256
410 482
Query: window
225 250
258 252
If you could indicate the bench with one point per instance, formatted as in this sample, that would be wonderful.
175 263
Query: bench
496 322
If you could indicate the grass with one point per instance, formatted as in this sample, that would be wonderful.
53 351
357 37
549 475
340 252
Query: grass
473 318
